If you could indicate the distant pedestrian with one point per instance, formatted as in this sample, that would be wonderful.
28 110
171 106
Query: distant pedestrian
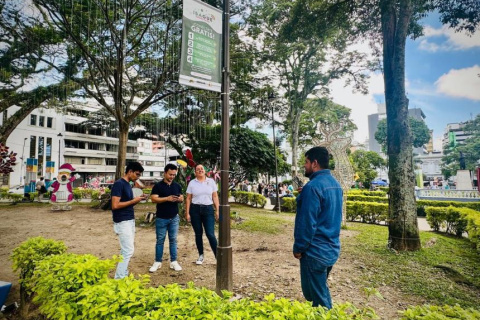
317 227
41 189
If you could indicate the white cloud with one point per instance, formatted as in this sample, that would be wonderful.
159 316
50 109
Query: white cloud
461 83
454 40
360 104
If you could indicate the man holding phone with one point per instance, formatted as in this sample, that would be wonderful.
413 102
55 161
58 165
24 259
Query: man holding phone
167 194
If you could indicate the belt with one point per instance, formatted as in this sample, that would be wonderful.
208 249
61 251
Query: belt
202 205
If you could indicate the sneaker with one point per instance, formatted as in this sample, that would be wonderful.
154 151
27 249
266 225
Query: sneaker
200 259
175 266
155 266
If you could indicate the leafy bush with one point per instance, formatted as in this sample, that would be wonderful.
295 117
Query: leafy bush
369 212
436 217
458 204
366 193
58 279
289 204
252 198
437 312
363 198
29 253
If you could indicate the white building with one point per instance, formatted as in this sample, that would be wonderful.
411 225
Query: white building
50 136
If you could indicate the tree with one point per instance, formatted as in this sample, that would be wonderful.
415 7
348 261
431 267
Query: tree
299 64
419 130
127 53
366 164
30 51
251 152
389 23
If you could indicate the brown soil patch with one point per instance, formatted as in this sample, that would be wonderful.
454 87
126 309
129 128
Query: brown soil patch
262 263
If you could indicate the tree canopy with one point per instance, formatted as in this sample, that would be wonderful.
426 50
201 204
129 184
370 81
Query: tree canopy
419 130
366 164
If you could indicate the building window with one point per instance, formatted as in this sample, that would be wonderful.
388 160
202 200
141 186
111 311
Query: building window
41 121
151 173
33 119
112 147
74 144
48 149
41 151
95 131
74 160
111 162
131 149
33 146
49 122
97 161
70 127
95 146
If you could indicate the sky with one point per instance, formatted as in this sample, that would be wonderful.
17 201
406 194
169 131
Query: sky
442 78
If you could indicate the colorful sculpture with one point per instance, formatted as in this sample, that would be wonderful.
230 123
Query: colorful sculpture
62 191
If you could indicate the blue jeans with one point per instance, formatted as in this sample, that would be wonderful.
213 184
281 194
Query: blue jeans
314 277
162 227
126 234
202 217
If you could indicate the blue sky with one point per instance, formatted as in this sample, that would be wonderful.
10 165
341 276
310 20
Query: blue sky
442 72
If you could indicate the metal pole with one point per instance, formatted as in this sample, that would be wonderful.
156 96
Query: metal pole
224 249
277 206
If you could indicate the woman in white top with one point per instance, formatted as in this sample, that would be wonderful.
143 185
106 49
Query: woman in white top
202 197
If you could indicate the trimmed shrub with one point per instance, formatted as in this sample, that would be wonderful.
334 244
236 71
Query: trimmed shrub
458 204
31 252
368 212
366 193
289 204
438 312
362 198
252 198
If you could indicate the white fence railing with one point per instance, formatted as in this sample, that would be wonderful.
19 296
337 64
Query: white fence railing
454 194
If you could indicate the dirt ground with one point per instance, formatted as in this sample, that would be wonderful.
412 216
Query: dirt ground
262 263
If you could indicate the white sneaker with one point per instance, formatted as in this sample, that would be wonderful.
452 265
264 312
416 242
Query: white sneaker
175 266
200 259
155 266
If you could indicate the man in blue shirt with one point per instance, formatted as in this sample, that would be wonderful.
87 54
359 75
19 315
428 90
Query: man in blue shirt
123 214
317 227
167 194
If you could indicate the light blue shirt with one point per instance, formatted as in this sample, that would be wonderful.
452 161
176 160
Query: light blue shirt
202 191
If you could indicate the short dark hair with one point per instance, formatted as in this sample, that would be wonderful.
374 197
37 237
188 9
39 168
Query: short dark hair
170 166
320 154
134 166
198 164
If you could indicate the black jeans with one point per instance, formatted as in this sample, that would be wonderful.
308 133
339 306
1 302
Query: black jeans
202 217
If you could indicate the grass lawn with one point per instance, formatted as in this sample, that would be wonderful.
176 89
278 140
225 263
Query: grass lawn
445 271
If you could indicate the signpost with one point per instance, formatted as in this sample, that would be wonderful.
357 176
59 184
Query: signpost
200 65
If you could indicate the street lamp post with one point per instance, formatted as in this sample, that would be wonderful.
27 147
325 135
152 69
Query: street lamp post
60 135
271 97
21 158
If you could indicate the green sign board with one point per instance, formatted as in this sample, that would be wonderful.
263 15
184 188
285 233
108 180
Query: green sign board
200 65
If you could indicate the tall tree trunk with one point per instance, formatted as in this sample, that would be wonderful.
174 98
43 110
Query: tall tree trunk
403 225
295 130
122 150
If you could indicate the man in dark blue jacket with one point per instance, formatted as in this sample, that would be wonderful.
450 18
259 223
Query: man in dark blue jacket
317 227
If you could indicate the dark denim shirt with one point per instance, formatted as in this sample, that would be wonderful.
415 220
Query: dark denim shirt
319 218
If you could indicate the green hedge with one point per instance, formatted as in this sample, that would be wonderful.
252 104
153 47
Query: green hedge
366 193
71 286
437 313
251 198
368 212
362 198
456 221
458 204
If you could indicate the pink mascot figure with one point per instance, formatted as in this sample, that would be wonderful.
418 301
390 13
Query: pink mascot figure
62 191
